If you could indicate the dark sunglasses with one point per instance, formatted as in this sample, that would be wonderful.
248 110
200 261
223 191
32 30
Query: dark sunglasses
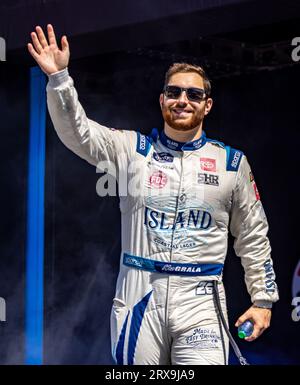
192 93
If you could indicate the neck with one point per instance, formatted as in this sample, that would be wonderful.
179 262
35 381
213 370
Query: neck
183 136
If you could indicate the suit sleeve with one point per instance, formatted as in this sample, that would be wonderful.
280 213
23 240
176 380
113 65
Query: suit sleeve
249 227
91 141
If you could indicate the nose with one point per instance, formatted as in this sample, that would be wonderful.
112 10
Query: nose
183 98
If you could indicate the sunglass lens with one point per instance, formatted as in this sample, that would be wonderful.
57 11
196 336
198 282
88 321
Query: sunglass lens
195 94
173 92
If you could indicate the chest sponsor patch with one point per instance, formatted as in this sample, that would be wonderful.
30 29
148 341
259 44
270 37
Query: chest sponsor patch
209 179
158 179
163 157
208 164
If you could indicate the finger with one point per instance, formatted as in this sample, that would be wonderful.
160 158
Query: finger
36 42
32 51
51 35
251 338
256 333
64 43
241 320
41 36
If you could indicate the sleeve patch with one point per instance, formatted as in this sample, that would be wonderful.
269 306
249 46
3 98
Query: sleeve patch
233 158
143 144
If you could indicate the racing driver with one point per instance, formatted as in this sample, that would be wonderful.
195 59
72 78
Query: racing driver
191 191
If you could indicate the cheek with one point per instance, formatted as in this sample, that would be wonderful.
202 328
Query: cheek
201 111
166 106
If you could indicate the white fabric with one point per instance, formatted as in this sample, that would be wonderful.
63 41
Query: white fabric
183 204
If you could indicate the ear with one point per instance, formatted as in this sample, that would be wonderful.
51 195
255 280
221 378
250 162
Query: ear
208 105
161 100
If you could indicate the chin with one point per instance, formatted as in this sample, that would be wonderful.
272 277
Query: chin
183 126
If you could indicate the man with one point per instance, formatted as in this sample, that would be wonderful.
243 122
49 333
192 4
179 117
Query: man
175 220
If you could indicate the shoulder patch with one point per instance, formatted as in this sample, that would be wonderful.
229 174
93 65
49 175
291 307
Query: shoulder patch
143 144
233 158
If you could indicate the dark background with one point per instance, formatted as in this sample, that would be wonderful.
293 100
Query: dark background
119 54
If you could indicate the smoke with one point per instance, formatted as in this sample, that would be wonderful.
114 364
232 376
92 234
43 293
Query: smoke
82 259
79 332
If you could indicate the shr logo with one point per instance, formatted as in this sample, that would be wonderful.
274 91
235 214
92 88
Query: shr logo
296 51
2 49
2 309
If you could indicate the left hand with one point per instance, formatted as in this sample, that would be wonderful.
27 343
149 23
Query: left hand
260 318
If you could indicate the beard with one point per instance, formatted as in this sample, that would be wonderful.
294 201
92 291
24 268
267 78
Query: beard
182 124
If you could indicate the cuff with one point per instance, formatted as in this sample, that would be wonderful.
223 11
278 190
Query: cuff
59 77
263 304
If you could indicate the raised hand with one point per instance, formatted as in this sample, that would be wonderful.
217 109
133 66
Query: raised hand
46 53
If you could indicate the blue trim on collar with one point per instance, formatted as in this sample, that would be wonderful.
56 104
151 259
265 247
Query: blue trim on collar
182 146
154 134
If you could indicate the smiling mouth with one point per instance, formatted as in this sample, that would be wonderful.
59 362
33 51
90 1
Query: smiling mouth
182 113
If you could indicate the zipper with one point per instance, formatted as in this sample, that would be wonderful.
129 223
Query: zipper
172 238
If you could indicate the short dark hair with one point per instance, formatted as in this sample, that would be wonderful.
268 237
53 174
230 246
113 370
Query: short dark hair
186 67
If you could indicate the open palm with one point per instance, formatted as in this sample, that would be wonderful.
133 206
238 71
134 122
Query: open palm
46 53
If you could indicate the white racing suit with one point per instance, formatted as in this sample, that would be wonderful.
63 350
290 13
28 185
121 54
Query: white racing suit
177 201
